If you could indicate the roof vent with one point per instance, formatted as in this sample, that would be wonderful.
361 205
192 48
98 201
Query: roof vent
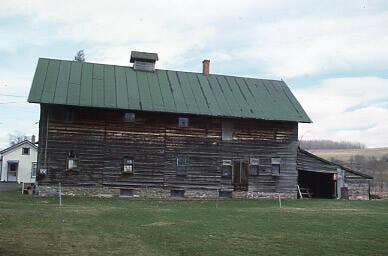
144 60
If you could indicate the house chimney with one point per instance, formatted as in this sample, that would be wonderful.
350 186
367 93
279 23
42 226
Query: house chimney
33 138
205 67
144 61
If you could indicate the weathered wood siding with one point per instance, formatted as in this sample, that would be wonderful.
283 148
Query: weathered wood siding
358 186
101 140
308 163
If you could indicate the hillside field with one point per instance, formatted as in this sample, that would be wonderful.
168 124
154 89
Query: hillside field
346 154
84 226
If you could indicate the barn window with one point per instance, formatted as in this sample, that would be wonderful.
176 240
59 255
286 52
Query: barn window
33 169
129 117
68 116
227 130
125 192
183 121
226 168
275 166
128 166
25 151
223 193
254 167
181 166
72 162
177 193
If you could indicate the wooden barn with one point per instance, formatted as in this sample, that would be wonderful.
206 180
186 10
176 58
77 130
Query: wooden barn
318 177
144 132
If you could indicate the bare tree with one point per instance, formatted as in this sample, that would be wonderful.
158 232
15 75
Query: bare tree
80 56
16 137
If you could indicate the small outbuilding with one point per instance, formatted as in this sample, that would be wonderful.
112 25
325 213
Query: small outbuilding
18 162
318 177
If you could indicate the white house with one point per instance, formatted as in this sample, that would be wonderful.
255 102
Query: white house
18 162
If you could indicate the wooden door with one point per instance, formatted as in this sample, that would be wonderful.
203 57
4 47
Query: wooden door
240 175
12 171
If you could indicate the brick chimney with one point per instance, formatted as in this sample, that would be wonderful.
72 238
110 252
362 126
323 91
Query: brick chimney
205 67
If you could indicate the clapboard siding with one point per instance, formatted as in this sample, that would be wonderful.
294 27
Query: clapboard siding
101 140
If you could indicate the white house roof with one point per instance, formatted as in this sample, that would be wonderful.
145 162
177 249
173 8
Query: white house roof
17 145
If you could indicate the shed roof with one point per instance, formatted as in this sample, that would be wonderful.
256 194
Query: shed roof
121 87
305 152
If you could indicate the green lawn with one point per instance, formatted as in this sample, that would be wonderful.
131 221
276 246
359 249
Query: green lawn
38 226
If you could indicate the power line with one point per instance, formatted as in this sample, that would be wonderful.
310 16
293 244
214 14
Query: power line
12 102
13 95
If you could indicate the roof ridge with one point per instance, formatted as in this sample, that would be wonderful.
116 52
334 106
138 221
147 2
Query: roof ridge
173 70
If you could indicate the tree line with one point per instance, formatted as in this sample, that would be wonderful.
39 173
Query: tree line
329 144
376 167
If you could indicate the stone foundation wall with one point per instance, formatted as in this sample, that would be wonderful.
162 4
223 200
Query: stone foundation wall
153 193
379 195
78 191
358 190
263 195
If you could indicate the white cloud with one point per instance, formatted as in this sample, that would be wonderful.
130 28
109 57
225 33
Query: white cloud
350 109
287 39
268 38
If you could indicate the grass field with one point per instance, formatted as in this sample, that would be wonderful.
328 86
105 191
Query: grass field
38 226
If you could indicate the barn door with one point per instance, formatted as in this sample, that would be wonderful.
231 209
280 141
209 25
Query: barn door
240 175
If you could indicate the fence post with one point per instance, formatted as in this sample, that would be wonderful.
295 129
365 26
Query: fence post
280 201
60 194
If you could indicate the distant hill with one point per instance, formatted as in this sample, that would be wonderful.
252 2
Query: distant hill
330 144
345 155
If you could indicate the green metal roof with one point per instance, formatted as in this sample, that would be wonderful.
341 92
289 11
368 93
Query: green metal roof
120 87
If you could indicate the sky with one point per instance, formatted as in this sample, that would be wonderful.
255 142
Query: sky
332 54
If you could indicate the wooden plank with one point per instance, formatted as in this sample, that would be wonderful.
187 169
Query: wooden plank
50 81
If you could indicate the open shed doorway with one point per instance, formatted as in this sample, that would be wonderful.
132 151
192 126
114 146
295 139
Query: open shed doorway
317 184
